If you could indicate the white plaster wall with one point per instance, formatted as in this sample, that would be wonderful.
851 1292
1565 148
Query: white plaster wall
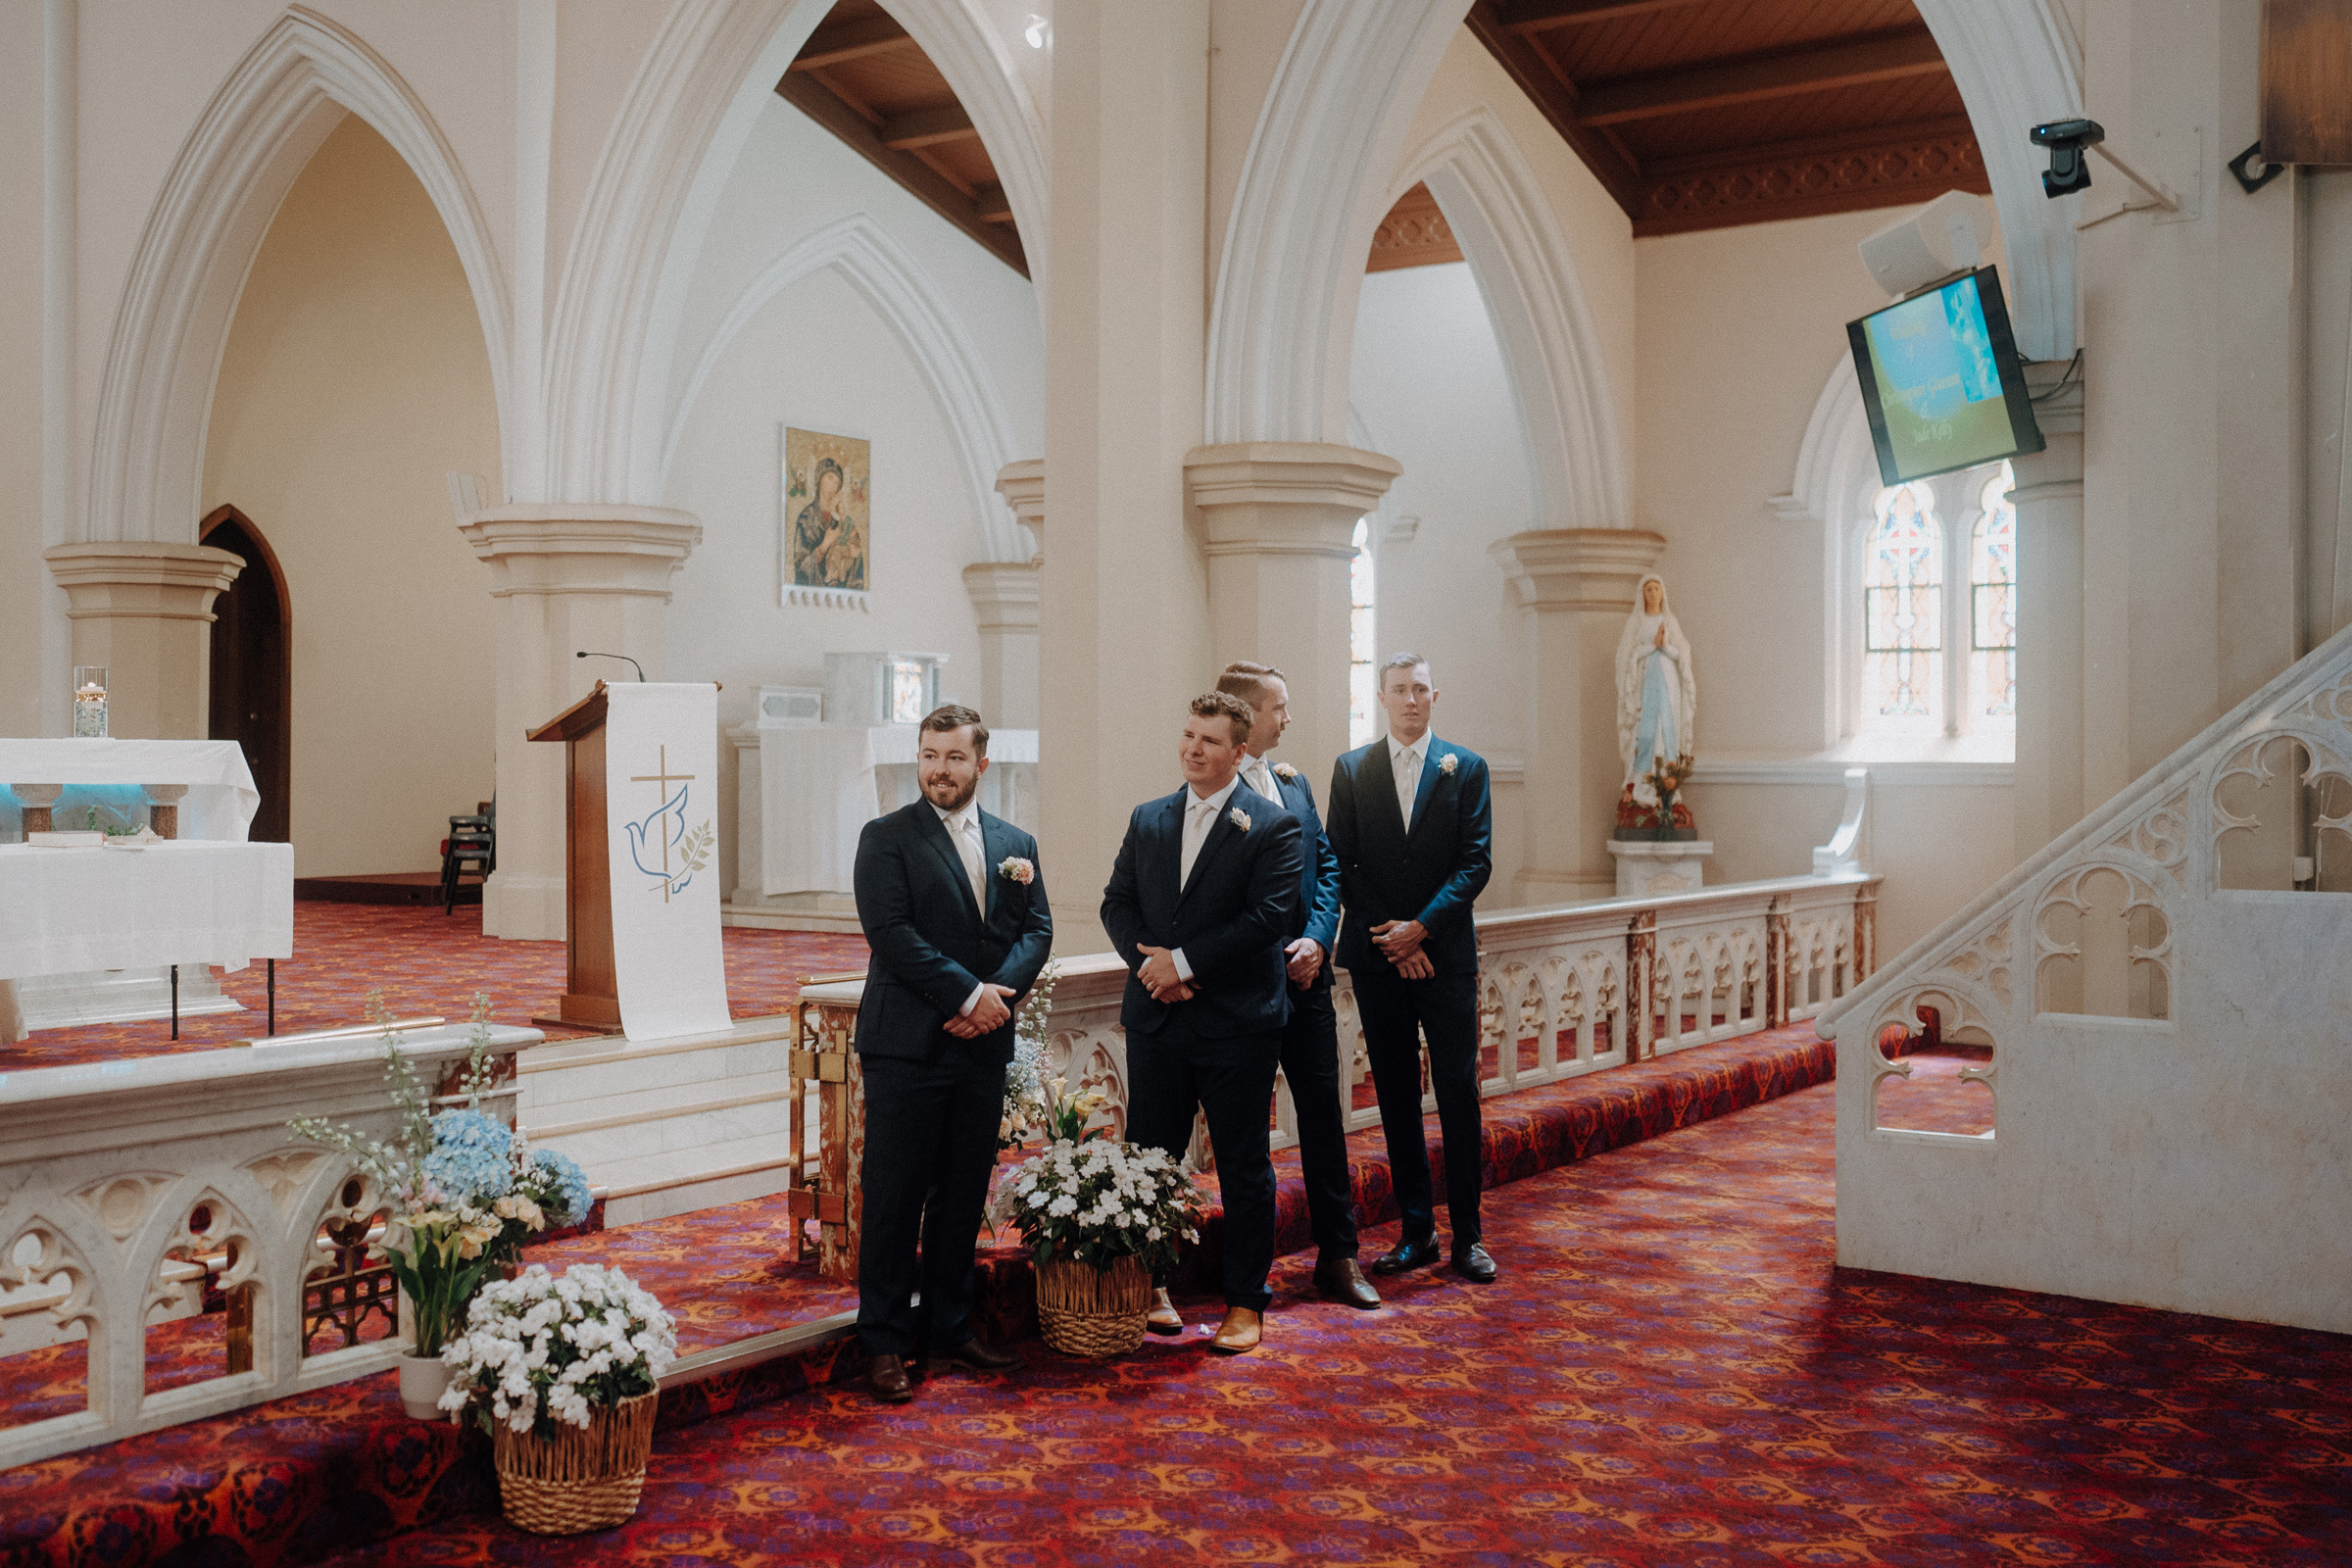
817 356
353 380
23 577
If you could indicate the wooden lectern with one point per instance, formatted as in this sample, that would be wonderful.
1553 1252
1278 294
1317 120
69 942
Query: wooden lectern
591 995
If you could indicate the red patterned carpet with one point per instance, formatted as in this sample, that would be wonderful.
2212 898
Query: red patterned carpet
1670 1371
425 963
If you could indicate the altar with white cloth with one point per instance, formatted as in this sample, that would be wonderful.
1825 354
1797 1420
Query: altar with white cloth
71 911
209 788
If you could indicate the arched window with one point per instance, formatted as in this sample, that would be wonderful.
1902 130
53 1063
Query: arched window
1902 612
1361 708
1992 602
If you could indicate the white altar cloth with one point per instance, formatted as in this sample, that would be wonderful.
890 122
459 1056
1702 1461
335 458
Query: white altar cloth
220 799
65 911
819 786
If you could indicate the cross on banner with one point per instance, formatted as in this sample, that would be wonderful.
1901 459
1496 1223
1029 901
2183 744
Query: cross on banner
662 780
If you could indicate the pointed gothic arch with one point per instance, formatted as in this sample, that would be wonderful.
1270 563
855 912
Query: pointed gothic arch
888 277
248 147
711 71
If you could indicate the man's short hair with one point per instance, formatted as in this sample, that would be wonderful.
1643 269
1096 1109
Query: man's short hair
1208 704
1247 680
953 716
1401 661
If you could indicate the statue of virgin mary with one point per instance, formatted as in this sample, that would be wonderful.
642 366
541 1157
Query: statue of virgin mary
1658 693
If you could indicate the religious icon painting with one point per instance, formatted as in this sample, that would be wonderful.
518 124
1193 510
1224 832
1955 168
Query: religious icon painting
828 492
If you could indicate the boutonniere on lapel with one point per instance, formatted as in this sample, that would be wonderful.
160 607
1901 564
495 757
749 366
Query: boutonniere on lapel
1447 763
1012 868
1240 818
1284 771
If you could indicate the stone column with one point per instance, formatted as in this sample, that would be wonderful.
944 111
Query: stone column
2050 616
1003 596
1281 518
1123 594
144 610
1577 586
567 577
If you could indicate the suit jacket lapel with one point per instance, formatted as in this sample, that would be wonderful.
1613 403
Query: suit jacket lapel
1427 787
994 847
935 832
1380 778
1168 844
1220 829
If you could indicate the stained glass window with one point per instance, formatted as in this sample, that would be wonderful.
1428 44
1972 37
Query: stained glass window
1902 611
1992 601
1361 708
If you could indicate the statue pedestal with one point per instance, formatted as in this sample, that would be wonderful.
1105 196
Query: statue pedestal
1648 870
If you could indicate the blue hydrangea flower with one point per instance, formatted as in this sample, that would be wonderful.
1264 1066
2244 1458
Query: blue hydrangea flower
565 1185
472 1159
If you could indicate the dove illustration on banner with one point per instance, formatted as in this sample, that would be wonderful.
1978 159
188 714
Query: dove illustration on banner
664 849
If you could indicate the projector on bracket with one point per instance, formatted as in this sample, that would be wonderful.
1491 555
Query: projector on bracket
1946 236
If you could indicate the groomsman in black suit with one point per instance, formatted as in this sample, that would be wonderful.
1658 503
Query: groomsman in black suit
956 915
1200 902
1310 1040
1412 823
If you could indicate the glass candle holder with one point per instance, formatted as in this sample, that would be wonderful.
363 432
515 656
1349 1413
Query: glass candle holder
89 700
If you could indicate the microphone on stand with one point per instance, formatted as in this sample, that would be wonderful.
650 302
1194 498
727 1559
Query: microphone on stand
631 662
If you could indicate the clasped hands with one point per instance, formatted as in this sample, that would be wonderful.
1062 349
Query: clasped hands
989 1014
1158 974
1399 941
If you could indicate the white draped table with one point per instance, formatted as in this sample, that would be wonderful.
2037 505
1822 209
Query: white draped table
220 799
69 910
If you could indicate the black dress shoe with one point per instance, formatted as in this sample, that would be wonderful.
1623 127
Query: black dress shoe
1406 1255
1475 1265
975 1356
1340 1279
886 1376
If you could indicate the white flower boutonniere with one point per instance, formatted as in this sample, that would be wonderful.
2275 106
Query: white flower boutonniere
1447 763
1012 868
1284 771
1240 818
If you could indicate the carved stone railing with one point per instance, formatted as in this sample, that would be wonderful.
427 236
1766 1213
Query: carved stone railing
2158 1008
1563 991
134 1195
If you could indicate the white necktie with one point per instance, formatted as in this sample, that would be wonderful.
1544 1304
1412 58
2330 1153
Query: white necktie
1409 784
1260 782
1198 818
965 831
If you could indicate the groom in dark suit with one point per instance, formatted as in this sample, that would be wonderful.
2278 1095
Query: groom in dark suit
1200 903
954 913
1310 1039
1412 820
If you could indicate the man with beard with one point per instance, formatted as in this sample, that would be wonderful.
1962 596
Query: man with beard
954 913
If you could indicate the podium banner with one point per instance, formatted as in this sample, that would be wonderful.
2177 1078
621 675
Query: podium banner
662 792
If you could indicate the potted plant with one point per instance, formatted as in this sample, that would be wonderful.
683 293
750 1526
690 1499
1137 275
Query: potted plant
565 1373
1667 779
1100 1217
464 1189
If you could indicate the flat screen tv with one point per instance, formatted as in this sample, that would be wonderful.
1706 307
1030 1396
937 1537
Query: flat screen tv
1941 381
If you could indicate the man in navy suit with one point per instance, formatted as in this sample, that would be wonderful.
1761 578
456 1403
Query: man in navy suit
1412 823
1310 1040
956 915
1200 900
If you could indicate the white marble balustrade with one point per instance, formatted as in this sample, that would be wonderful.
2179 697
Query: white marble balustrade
125 1185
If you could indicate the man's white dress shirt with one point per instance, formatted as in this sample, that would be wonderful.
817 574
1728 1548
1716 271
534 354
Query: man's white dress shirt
1406 762
1199 816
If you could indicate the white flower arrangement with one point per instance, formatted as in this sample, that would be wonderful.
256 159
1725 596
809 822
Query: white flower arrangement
538 1348
1241 818
1013 868
1447 763
1284 771
1099 1199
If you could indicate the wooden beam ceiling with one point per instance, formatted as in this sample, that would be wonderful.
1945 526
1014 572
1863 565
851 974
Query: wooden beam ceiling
864 80
1699 113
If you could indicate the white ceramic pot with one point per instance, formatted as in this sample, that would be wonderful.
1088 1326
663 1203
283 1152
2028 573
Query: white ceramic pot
422 1378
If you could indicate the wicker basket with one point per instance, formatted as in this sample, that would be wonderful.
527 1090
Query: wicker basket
1092 1311
581 1479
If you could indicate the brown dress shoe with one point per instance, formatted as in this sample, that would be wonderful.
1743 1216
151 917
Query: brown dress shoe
974 1357
1342 1281
1475 1265
1163 1317
1243 1330
886 1376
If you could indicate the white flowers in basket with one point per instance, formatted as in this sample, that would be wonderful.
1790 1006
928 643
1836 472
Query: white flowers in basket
1097 1200
538 1348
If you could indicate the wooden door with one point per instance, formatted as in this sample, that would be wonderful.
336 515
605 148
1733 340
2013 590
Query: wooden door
252 668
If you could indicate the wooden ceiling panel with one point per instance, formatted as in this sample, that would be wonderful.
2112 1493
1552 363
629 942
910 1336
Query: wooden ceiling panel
862 78
1709 112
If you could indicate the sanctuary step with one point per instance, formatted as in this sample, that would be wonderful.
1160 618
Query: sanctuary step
300 1479
382 887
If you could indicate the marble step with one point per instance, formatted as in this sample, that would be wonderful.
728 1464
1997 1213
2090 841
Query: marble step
572 1070
679 1181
